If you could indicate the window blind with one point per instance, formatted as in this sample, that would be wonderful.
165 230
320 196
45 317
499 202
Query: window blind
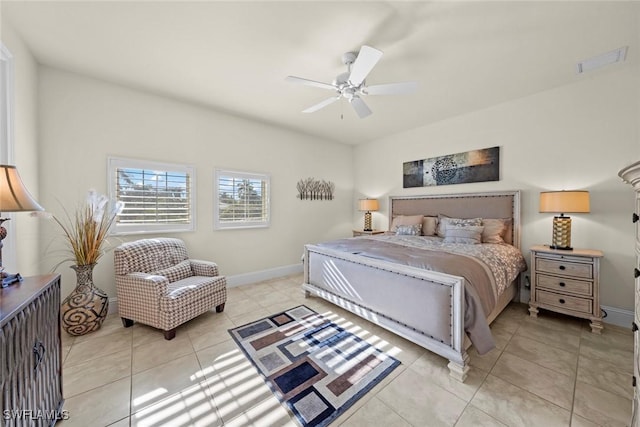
157 197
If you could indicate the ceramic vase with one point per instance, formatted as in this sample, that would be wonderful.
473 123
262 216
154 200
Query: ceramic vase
86 307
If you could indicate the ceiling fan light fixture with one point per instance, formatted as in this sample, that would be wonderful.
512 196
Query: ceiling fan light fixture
348 58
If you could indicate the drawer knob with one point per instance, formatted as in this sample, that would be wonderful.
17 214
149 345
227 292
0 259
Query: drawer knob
635 217
562 267
636 273
562 284
561 301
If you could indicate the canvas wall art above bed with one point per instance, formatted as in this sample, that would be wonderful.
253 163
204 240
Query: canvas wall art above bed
459 168
447 267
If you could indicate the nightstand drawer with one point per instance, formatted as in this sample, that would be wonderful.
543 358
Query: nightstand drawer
561 284
565 268
583 305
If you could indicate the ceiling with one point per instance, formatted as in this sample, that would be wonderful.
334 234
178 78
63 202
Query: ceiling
234 56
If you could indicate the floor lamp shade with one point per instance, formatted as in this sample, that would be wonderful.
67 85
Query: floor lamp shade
563 202
367 205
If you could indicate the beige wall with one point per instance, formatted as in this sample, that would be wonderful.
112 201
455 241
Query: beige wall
83 121
23 227
573 137
576 136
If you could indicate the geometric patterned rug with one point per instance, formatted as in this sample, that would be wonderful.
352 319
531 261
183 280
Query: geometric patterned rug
313 366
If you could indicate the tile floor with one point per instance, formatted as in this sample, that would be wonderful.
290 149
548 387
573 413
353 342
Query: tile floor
549 371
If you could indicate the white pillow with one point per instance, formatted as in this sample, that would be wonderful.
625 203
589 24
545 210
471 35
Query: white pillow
444 221
409 230
463 234
405 220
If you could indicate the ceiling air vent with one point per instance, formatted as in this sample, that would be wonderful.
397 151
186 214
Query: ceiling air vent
601 60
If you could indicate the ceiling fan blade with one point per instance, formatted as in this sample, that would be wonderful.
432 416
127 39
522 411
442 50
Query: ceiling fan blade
360 107
367 58
308 82
322 104
392 88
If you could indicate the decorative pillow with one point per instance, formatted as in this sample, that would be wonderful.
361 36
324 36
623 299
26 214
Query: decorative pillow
405 220
177 272
429 224
463 234
409 230
444 221
494 229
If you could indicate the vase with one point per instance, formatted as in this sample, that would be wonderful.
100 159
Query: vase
86 307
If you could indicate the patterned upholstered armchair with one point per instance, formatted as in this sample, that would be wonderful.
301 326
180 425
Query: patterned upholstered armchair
158 285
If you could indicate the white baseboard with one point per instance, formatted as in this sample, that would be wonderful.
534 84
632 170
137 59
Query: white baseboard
617 316
259 276
241 279
113 305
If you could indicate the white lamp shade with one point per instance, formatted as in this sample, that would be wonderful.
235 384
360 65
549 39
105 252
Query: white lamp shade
368 205
14 196
564 201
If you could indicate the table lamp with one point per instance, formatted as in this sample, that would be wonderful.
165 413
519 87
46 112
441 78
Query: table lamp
563 202
368 205
14 197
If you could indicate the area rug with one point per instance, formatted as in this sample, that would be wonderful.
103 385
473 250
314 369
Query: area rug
312 365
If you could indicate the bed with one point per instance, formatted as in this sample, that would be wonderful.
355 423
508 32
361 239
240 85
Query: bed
438 310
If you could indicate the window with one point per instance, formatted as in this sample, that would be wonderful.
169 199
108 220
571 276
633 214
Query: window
242 199
158 197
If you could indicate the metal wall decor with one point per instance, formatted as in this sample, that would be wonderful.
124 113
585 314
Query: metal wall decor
313 189
460 168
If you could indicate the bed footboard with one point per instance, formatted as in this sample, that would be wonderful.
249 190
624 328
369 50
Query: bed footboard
422 306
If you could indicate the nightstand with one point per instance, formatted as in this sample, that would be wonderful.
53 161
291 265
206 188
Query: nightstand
566 282
366 233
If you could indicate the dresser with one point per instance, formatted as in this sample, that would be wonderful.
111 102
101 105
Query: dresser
631 175
568 282
30 352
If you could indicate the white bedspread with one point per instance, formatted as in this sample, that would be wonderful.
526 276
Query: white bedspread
504 261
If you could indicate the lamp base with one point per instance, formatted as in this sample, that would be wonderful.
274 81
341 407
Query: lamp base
561 238
367 221
561 248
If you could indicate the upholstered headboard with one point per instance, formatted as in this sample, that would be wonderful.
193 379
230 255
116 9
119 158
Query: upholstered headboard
504 204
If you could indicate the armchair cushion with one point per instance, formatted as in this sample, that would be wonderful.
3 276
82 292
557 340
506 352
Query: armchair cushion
149 255
177 272
183 295
204 268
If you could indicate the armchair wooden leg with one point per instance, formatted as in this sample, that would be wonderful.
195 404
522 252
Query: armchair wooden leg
170 334
127 323
220 308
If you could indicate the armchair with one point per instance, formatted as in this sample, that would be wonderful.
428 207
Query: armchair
158 285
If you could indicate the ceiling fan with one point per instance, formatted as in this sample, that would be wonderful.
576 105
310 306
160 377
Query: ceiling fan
352 86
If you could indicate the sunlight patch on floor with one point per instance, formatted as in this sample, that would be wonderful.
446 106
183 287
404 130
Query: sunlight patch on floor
181 408
231 391
139 401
